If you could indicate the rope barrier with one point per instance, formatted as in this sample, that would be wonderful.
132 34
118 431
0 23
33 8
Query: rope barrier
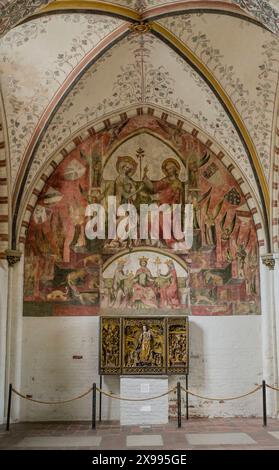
52 402
116 397
222 399
272 387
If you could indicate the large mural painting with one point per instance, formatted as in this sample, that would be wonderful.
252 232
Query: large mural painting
143 160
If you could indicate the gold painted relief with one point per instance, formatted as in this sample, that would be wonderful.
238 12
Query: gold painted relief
178 345
110 346
144 345
144 349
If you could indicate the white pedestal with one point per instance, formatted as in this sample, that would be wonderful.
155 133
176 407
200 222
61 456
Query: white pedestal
144 412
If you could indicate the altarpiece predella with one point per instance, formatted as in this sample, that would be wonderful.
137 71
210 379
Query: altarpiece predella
144 345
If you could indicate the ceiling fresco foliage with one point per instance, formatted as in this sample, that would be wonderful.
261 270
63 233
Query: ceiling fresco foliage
28 83
265 11
140 77
64 73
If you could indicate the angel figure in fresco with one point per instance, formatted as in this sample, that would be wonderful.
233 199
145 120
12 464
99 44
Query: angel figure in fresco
193 170
169 291
196 201
95 167
144 291
226 232
209 224
252 273
241 253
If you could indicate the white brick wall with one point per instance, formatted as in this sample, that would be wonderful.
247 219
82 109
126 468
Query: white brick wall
225 360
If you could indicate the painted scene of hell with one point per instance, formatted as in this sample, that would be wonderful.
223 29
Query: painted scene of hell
143 160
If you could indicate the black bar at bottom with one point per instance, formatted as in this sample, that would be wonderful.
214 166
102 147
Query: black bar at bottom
9 407
178 405
264 404
94 407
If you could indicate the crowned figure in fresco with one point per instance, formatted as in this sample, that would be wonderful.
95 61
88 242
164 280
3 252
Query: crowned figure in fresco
126 188
144 290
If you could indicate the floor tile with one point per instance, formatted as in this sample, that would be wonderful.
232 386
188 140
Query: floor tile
60 441
274 434
142 440
234 438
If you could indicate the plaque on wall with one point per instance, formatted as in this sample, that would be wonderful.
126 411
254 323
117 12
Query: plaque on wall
144 345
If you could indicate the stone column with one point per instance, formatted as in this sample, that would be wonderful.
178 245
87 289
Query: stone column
14 326
4 281
269 329
276 305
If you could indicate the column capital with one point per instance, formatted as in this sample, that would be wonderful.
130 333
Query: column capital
269 260
13 256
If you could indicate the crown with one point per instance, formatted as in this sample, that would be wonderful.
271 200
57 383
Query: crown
143 258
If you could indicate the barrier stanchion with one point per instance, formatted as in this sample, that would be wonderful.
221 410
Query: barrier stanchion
178 405
9 407
264 403
100 399
187 398
94 406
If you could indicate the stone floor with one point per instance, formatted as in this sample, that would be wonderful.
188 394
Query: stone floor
198 433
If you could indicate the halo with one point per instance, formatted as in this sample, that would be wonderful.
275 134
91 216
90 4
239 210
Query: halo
170 160
127 159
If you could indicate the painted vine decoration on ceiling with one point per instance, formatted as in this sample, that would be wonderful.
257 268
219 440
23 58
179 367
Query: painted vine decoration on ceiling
139 82
14 11
256 113
264 10
142 160
24 103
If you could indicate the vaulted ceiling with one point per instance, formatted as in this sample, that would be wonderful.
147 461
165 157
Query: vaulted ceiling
66 66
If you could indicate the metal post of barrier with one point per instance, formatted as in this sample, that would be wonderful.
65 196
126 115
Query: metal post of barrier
100 399
187 398
264 403
94 406
9 407
178 405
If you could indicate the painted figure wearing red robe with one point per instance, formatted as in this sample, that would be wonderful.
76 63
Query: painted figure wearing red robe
169 296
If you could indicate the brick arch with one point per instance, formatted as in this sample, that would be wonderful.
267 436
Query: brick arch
4 187
112 122
275 194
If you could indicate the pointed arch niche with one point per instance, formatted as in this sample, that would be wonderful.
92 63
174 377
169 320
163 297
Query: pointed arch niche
64 270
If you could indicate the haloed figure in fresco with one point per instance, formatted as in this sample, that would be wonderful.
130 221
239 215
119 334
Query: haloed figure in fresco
168 190
169 291
144 292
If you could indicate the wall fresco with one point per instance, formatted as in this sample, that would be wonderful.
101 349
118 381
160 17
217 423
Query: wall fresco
143 160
